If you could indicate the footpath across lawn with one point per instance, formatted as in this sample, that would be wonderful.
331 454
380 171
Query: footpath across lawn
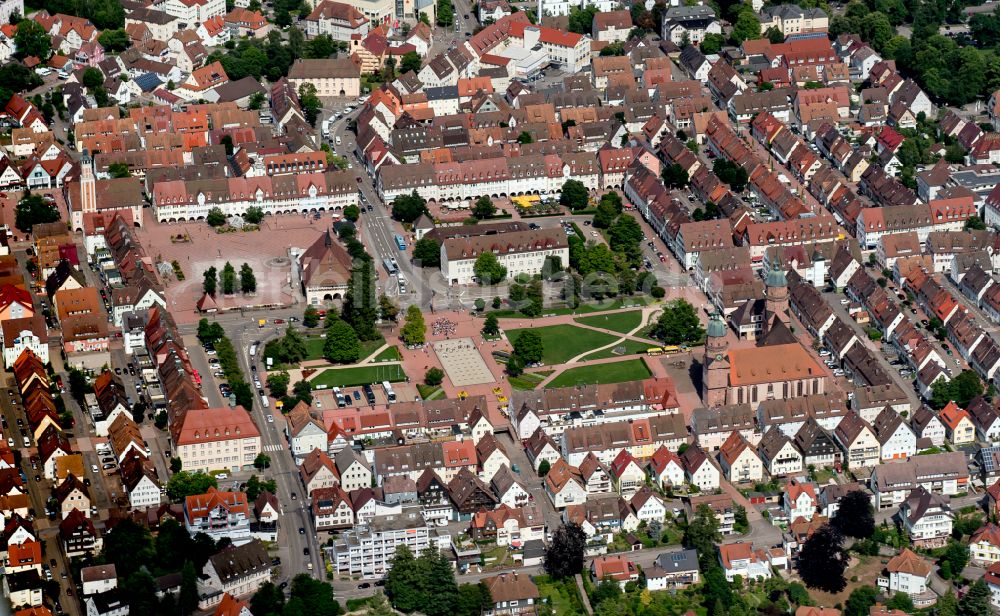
622 322
563 342
600 374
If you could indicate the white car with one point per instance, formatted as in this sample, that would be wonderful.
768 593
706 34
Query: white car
10 441
270 419
93 467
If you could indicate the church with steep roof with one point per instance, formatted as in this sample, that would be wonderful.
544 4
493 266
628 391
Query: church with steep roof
778 367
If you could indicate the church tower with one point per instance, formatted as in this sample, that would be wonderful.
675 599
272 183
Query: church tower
715 366
88 192
775 297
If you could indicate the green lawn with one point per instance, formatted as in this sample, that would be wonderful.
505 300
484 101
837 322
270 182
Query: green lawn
622 322
562 595
390 354
618 372
359 375
527 381
314 348
632 347
633 301
562 342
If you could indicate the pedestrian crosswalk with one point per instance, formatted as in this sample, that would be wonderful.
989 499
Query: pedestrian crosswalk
277 447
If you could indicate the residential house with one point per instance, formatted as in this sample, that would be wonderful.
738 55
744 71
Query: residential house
927 518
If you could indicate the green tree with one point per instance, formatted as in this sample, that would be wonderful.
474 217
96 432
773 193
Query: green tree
341 345
411 62
303 391
31 39
402 584
427 252
254 215
310 318
774 35
975 223
861 601
387 308
34 210
277 383
529 347
876 29
434 376
564 554
712 44
581 21
747 26
129 549
445 13
484 208
678 324
310 103
79 386
956 556
185 483
188 600
248 282
976 601
702 534
674 176
605 215
488 270
414 329
574 195
947 605
408 208
731 174
320 47
625 237
962 389
360 307
491 326
113 41
822 560
311 597
262 461
228 279
269 600
119 170
92 77
525 138
855 516
215 217
352 213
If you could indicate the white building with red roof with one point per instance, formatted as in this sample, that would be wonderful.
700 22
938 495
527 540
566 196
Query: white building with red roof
799 500
984 545
743 560
219 439
218 514
616 567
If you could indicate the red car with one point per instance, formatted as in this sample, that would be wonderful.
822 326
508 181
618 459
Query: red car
279 321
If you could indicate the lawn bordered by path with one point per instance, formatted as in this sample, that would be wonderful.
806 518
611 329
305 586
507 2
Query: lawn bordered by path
632 347
616 372
528 380
390 354
314 348
563 342
637 301
359 375
622 322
